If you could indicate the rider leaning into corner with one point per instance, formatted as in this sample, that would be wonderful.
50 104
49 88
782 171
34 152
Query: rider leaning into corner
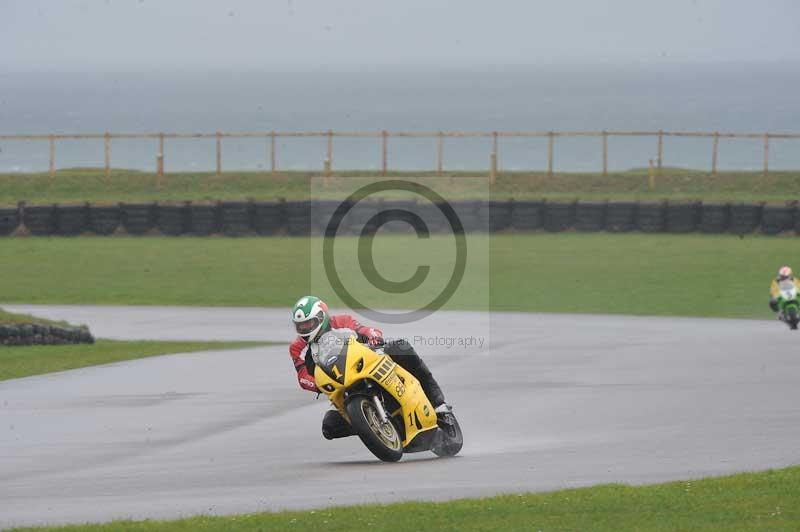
311 320
784 274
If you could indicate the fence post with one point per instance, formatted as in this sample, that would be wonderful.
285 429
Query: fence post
605 153
493 159
440 154
219 153
766 154
329 158
660 148
651 175
160 159
107 152
52 156
385 151
273 166
550 142
714 154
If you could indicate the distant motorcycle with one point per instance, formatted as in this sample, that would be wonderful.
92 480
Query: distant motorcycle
788 303
384 403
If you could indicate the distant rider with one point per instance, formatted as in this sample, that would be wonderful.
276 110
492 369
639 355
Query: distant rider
784 274
311 320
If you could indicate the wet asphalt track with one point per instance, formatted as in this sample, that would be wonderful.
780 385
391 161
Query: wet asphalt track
549 401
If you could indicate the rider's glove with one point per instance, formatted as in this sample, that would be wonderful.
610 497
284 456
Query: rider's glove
373 337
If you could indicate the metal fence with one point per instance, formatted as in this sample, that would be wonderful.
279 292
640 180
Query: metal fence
384 136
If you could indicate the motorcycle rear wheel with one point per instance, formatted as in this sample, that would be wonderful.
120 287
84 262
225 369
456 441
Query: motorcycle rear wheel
382 439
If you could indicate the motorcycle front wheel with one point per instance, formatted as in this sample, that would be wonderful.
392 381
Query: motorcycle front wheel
382 439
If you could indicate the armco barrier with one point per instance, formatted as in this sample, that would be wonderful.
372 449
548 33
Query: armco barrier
9 221
299 218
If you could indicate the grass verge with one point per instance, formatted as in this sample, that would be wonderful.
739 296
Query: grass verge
90 184
744 502
17 362
683 275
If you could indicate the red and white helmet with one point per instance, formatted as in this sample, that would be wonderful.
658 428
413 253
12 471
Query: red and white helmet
785 273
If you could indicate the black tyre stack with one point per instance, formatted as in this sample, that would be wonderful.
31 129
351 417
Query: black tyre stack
173 219
744 218
268 217
650 217
714 218
298 217
682 217
138 218
558 216
777 219
40 219
236 218
9 220
527 215
590 216
620 216
203 219
72 220
104 219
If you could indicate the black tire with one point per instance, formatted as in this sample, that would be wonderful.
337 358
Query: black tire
792 319
450 447
358 408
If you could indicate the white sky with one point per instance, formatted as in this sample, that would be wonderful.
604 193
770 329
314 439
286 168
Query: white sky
310 33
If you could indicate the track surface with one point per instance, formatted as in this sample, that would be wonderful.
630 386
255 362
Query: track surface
549 401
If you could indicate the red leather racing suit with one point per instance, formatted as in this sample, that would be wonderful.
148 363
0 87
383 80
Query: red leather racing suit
298 347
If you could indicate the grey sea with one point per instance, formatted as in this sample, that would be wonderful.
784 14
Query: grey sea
743 98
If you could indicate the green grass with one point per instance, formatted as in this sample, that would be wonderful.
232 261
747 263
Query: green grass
87 184
687 275
16 362
11 318
746 502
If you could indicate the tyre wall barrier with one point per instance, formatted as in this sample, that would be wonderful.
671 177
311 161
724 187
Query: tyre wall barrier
714 218
104 219
744 218
268 217
558 216
236 218
682 217
650 217
590 216
620 216
72 220
39 334
9 220
203 219
138 218
172 220
299 218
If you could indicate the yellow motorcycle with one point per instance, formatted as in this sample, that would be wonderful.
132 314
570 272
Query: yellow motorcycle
383 402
